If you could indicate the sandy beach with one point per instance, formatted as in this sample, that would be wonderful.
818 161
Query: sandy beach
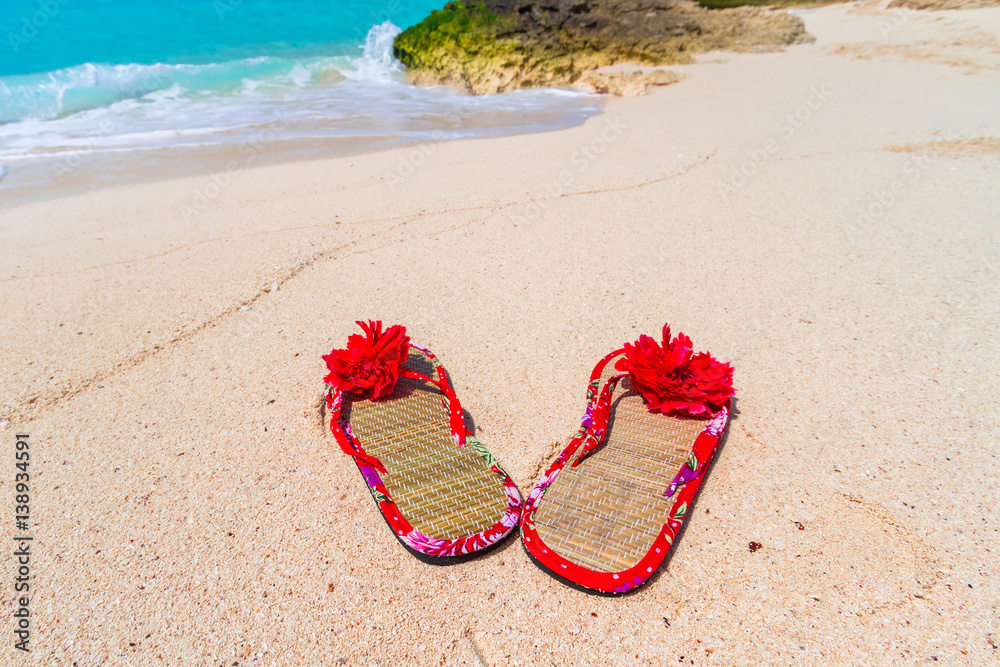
825 217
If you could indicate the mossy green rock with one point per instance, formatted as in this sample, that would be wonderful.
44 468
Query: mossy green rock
500 45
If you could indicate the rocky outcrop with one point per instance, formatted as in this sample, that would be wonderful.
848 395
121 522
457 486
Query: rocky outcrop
625 84
501 45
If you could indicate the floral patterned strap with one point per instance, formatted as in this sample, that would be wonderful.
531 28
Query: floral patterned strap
599 368
344 435
598 428
701 452
370 468
456 417
350 444
592 394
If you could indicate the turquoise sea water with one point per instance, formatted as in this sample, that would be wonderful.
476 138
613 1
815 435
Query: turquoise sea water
73 32
81 79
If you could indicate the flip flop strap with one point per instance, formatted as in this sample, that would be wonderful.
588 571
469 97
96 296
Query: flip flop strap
456 418
349 442
592 391
592 396
599 368
598 429
345 436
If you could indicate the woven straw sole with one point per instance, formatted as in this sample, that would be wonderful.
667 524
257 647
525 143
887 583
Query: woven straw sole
606 513
444 491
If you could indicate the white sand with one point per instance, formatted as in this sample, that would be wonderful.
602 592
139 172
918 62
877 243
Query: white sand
192 509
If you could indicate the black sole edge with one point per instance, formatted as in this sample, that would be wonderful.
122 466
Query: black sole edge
439 560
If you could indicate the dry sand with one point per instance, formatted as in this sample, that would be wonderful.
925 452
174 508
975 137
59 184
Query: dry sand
191 509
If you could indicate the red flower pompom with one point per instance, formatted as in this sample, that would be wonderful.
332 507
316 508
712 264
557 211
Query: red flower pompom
673 379
369 362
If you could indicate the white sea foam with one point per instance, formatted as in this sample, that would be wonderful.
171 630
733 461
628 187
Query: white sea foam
51 95
377 64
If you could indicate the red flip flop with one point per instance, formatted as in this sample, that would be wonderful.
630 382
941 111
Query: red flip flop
653 423
392 409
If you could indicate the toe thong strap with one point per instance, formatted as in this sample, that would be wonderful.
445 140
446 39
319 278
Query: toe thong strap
598 428
344 435
349 442
456 418
702 449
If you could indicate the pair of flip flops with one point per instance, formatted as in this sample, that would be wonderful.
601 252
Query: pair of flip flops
606 511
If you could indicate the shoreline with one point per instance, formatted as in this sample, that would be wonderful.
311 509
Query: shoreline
217 162
192 504
86 171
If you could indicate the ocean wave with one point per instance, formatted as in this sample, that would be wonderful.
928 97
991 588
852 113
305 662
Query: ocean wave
57 94
60 93
94 110
377 62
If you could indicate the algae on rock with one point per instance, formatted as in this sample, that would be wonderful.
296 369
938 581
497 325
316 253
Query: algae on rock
500 45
